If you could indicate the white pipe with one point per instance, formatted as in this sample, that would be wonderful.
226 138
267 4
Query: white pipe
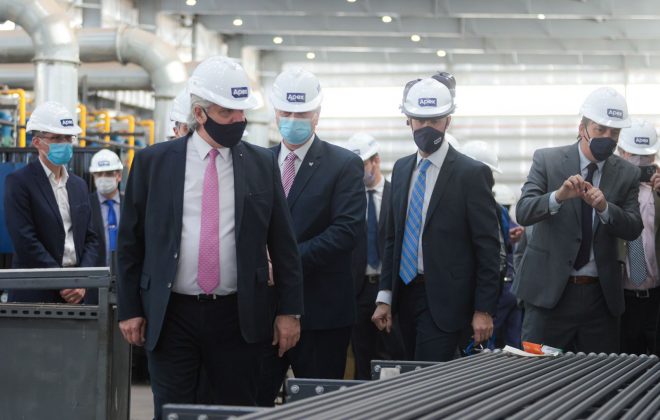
54 47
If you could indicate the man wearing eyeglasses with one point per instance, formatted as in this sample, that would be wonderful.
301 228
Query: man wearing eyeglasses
47 209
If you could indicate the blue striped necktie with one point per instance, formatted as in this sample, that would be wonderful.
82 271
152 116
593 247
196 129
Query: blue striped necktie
408 265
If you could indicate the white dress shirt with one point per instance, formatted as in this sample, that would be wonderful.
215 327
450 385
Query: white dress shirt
69 258
378 199
437 158
300 152
104 215
185 282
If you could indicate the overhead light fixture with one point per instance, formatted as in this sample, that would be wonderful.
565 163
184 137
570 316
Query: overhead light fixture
8 25
441 53
191 2
386 19
311 55
415 38
238 22
540 16
278 40
351 1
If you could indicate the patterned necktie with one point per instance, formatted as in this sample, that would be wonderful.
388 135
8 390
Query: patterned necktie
587 225
289 172
408 264
637 261
208 264
373 259
112 224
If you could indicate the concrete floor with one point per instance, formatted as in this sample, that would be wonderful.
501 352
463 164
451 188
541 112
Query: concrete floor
142 406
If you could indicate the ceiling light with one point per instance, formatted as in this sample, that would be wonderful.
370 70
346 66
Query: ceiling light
351 1
415 38
237 22
540 16
277 40
311 55
7 26
441 53
386 19
191 2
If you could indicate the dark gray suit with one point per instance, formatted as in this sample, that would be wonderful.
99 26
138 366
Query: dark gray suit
551 251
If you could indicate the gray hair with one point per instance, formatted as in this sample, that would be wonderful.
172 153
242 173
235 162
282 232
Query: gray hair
200 102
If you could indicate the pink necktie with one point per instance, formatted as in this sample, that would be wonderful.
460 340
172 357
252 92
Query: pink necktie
208 265
288 172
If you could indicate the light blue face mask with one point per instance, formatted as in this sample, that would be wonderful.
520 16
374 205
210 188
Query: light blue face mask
60 153
295 130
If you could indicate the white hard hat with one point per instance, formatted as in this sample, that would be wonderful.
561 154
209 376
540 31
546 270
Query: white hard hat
481 151
504 195
223 82
452 140
181 107
105 160
363 145
606 106
296 90
428 98
640 138
53 117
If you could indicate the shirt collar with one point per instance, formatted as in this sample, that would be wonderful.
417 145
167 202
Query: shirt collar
438 157
300 152
584 162
51 176
380 186
203 148
116 197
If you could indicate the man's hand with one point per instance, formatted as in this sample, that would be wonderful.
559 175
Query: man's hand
571 188
382 317
655 182
133 330
515 233
286 333
482 325
72 295
594 197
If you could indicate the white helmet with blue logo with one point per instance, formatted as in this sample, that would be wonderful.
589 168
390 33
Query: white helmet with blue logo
428 98
53 117
363 145
105 160
222 81
639 139
607 107
296 90
181 107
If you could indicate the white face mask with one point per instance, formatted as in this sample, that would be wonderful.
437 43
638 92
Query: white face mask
106 184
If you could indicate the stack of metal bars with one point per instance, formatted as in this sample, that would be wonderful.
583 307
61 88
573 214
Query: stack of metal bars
494 385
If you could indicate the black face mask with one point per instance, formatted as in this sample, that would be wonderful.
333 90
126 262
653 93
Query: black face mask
226 135
428 139
602 147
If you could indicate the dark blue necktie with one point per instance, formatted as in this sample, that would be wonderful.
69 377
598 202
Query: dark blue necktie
584 253
373 259
112 225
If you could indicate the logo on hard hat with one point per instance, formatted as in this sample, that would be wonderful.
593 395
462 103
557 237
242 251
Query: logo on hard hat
427 102
643 141
295 97
67 122
615 113
239 92
104 163
356 151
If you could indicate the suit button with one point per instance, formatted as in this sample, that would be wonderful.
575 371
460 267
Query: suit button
169 285
176 255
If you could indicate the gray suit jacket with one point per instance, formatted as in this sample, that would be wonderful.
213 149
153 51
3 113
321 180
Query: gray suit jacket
551 251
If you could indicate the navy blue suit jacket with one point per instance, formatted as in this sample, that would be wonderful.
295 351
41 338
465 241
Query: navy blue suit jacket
328 206
36 228
150 237
459 238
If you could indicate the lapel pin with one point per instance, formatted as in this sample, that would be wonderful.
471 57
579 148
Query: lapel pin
311 163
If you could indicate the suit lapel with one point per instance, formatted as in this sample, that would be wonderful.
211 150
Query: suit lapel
441 184
400 186
239 185
307 168
44 185
383 207
571 166
177 170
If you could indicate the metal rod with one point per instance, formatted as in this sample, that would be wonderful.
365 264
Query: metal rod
613 408
639 410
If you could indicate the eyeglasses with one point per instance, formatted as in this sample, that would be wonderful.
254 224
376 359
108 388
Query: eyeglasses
60 138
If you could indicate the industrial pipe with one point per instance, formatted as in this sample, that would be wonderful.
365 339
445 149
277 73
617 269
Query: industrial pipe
131 137
82 110
150 126
21 113
53 48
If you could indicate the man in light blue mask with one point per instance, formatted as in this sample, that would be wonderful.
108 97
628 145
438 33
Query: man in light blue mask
47 208
325 194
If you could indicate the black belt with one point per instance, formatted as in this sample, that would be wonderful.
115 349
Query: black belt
203 297
419 279
372 278
640 294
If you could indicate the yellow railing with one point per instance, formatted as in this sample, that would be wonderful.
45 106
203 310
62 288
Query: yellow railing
21 113
131 137
106 122
151 126
82 109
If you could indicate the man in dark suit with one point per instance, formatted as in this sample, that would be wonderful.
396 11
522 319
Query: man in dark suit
441 265
580 199
327 203
47 208
199 215
367 342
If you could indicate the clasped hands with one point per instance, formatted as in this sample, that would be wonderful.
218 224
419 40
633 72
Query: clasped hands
576 186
